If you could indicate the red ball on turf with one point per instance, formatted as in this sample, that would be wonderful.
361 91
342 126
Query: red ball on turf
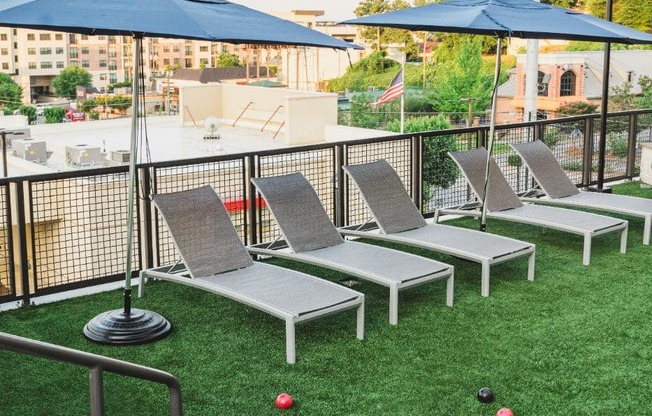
504 412
284 401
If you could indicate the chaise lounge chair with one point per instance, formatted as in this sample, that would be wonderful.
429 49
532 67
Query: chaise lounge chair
504 204
400 221
312 238
559 189
216 260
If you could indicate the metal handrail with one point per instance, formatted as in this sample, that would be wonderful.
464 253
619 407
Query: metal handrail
278 130
269 120
96 364
242 113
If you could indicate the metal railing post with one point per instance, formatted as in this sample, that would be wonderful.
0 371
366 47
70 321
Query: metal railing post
95 384
631 146
587 157
340 186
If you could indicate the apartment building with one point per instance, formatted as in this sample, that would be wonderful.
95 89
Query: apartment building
33 57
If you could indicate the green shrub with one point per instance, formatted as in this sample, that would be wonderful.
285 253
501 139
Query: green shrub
54 115
618 144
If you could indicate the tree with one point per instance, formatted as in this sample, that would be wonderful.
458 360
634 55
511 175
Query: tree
10 92
645 99
228 60
30 112
576 109
383 35
438 169
633 13
461 77
54 115
68 79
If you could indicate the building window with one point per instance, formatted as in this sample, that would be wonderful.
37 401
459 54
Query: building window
112 53
45 36
73 53
85 63
31 51
567 87
31 36
4 51
203 49
177 61
204 62
188 50
84 50
58 51
111 39
113 78
72 38
31 65
5 65
113 65
74 63
46 51
166 49
46 65
102 63
3 36
188 63
58 36
60 64
84 37
102 50
166 61
176 49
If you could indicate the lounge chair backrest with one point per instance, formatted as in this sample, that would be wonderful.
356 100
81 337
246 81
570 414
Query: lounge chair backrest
203 232
298 212
546 169
473 164
386 197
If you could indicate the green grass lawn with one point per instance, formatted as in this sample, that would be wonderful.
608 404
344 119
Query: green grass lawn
576 341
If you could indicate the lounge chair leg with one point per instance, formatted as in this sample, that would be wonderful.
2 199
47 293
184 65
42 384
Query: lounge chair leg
141 285
586 260
450 290
646 230
393 305
530 267
290 348
623 241
360 327
484 282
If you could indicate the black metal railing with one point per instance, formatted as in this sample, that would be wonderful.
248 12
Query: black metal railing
97 365
67 230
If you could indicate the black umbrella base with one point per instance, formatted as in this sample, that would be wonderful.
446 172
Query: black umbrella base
118 328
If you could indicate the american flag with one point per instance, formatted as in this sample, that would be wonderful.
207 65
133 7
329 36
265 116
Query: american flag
394 90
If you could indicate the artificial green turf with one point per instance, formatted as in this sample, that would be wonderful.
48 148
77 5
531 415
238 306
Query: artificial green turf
576 341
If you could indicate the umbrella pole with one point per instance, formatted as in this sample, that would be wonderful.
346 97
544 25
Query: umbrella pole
129 326
490 144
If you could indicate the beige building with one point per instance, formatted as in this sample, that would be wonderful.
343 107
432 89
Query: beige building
35 57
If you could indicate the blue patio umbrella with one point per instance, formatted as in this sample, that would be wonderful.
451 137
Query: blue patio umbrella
215 20
504 19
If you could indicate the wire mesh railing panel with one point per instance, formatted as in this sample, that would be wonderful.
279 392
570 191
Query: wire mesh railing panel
397 152
616 151
78 229
567 142
226 177
318 166
643 135
441 182
7 282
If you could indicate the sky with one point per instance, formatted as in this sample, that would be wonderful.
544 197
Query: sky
336 10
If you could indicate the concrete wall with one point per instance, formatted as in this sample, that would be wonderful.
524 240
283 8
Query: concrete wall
299 117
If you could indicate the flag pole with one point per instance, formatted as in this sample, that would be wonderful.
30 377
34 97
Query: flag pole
403 96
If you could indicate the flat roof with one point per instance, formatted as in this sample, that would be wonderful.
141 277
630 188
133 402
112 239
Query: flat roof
167 138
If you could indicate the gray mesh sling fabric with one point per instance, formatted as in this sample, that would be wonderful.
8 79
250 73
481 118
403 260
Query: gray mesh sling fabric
218 262
293 198
204 234
314 239
545 169
503 203
473 164
400 221
561 191
386 197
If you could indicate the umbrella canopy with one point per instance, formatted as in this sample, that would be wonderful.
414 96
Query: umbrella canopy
214 20
217 20
506 18
503 19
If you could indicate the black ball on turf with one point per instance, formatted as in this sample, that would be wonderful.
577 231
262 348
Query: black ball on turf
485 395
